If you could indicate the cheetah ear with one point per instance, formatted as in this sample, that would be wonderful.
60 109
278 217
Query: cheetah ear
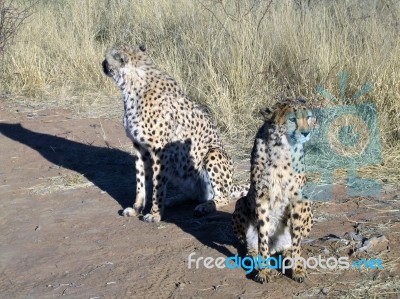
142 48
266 113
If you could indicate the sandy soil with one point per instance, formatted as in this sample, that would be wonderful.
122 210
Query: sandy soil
63 182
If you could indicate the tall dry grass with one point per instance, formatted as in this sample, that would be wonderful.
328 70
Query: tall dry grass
233 56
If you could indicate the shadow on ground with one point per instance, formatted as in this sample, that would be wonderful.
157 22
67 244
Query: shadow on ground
112 170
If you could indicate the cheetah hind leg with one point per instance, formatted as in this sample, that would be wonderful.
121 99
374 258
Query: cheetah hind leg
244 230
217 178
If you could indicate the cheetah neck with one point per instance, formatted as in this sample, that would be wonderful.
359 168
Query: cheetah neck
132 80
297 155
284 151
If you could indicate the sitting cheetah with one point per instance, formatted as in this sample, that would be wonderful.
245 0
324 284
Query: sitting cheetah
175 140
273 217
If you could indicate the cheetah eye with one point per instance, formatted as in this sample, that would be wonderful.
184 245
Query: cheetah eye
292 119
122 58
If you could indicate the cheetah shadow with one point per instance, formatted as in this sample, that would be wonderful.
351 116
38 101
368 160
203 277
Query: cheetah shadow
113 171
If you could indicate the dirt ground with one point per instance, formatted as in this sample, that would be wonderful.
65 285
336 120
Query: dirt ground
63 182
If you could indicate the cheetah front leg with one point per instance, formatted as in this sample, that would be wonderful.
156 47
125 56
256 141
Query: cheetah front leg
300 227
143 167
159 190
264 274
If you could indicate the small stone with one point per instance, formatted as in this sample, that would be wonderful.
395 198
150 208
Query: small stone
180 285
325 291
325 251
376 244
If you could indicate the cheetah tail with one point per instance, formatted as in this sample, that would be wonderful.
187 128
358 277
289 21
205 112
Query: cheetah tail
238 191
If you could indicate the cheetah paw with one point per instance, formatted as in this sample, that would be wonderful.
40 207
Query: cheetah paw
129 212
263 276
151 218
205 208
299 275
252 252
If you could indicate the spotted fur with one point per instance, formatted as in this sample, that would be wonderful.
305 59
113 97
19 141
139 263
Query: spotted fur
274 217
175 139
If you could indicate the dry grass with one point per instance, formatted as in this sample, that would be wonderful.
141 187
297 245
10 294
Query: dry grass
11 19
233 56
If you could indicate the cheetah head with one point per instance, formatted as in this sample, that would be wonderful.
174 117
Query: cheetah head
294 117
122 60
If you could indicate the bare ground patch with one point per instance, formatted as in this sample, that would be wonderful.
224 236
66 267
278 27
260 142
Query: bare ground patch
63 181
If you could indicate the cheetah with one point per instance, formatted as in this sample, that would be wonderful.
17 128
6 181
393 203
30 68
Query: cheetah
175 139
274 216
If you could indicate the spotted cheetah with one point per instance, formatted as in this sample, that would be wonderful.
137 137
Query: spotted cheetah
274 217
175 139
